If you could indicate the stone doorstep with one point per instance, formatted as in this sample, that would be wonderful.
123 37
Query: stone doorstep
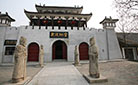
95 80
27 80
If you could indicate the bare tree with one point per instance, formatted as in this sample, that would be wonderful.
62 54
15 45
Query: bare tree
128 16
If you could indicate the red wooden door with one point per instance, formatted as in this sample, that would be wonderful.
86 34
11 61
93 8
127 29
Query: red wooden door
33 52
83 50
64 47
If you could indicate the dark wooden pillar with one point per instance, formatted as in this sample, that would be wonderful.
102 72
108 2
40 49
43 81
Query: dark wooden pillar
32 23
72 25
39 24
86 22
52 18
78 23
66 22
59 22
46 22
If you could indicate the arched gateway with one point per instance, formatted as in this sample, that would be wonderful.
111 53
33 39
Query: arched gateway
59 50
33 52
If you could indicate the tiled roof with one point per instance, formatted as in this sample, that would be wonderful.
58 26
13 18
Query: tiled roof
6 16
131 38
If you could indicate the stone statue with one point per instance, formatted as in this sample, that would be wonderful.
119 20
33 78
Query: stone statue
20 56
76 53
93 59
41 56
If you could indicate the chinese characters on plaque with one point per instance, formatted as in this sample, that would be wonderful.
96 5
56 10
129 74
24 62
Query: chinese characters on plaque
58 34
10 42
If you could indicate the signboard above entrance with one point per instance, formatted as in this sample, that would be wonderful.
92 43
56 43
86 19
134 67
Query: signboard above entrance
58 34
10 42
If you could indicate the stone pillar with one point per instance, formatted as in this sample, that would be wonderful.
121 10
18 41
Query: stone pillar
76 57
20 55
41 56
93 59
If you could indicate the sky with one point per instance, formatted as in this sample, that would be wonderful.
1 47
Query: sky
99 9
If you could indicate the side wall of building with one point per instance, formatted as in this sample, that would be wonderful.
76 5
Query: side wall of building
11 33
114 49
2 38
101 43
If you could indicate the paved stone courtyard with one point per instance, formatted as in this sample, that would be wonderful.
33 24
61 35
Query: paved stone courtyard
118 73
58 73
7 70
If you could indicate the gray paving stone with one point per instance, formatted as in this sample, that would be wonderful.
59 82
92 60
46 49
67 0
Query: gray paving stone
58 73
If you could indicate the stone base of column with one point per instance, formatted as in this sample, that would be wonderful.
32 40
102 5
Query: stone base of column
95 80
76 64
24 82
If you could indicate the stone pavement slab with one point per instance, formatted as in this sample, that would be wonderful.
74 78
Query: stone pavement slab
58 73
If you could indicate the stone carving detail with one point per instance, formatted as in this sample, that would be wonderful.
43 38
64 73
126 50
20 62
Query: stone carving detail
20 56
41 56
76 53
93 59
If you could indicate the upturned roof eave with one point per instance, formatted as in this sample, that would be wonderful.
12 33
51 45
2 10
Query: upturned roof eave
58 7
28 14
108 20
38 7
7 16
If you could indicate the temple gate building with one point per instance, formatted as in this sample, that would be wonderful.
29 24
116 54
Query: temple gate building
59 29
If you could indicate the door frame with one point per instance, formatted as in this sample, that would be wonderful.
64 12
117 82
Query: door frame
65 56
